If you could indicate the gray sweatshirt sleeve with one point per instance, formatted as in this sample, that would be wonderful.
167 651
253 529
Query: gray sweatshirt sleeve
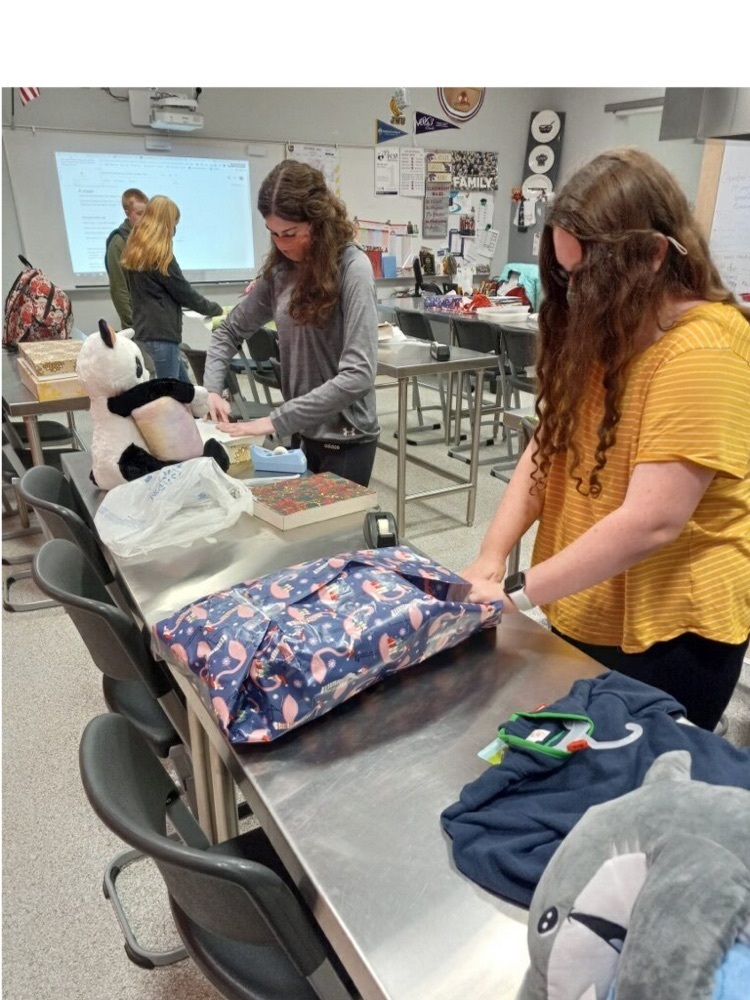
247 316
356 322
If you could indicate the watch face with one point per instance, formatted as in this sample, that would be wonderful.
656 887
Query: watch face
514 582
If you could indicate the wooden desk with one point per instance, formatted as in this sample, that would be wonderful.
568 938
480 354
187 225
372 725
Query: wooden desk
19 402
352 801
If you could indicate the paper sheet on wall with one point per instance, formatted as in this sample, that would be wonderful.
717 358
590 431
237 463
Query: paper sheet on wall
412 171
386 171
487 242
470 250
324 158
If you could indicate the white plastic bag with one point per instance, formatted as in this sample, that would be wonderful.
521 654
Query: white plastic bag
174 506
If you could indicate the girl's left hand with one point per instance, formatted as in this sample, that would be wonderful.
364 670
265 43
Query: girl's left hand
251 428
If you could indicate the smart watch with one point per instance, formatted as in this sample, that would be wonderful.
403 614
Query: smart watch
515 588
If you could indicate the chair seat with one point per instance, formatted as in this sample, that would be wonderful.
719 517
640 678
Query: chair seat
132 699
225 964
50 432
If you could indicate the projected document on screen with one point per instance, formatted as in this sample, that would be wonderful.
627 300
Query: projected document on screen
214 238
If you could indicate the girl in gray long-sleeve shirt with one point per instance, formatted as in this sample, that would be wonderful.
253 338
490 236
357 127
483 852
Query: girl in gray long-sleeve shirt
318 287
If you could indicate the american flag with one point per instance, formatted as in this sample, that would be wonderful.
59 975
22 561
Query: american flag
28 94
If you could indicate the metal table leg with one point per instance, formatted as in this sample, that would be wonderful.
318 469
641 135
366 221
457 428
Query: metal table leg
224 803
31 424
403 400
476 430
200 753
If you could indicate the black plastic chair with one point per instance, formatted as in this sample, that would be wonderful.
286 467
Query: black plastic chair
476 335
263 347
235 908
417 325
135 686
47 491
56 439
519 352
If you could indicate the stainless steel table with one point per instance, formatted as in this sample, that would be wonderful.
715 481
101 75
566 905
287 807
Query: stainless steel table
19 402
352 800
405 360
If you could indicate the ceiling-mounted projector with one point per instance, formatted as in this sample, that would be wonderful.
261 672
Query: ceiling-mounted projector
175 114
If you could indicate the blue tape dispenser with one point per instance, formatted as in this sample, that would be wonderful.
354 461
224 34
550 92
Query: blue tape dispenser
279 460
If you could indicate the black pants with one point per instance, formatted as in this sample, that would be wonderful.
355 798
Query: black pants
350 461
700 673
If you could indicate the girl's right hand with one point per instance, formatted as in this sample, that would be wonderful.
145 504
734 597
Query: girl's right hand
219 408
486 574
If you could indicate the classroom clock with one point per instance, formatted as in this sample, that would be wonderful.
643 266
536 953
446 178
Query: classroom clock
461 104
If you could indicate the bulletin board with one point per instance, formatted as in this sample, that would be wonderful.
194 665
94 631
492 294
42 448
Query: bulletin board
723 210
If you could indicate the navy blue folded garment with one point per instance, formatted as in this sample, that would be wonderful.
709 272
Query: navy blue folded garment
592 745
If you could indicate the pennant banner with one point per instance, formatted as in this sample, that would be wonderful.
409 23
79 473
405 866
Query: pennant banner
384 132
429 123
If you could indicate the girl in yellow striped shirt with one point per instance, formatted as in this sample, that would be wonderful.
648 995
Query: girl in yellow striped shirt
639 472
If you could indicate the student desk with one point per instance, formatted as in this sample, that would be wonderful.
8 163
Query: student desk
19 402
352 801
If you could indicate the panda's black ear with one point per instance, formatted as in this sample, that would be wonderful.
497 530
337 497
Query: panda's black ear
108 334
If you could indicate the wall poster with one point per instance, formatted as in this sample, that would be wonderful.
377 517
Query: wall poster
474 170
387 171
324 158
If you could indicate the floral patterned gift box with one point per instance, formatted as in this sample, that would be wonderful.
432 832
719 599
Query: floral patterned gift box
276 652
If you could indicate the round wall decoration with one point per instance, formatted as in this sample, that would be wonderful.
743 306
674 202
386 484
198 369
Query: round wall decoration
545 126
541 159
536 185
461 104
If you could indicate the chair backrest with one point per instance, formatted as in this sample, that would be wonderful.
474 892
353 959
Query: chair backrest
197 361
476 335
520 347
414 324
263 347
116 644
239 899
48 492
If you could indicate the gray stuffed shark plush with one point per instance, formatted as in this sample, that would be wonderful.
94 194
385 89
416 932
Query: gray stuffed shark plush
647 896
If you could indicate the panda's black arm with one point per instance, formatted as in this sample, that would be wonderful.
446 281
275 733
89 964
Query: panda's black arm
146 392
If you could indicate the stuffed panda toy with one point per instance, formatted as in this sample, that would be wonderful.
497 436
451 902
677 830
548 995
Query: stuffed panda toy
139 424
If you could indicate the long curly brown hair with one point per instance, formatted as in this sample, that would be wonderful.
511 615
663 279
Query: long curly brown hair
297 192
593 325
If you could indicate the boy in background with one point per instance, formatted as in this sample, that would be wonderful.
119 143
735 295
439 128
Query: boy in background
134 204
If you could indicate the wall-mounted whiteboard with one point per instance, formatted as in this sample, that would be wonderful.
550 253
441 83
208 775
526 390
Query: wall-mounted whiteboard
67 186
730 228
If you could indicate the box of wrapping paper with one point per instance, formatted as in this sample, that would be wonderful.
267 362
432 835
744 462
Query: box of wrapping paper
276 652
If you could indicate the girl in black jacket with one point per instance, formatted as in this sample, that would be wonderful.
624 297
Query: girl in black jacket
158 289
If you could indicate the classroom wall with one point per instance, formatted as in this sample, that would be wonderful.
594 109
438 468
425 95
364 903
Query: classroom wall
347 117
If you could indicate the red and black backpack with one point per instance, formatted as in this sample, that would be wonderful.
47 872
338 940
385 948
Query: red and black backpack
36 309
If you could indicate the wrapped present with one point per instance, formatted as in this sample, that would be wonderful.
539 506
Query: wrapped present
51 357
276 652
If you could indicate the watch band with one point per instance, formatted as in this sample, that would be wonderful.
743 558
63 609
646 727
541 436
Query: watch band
521 601
515 589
